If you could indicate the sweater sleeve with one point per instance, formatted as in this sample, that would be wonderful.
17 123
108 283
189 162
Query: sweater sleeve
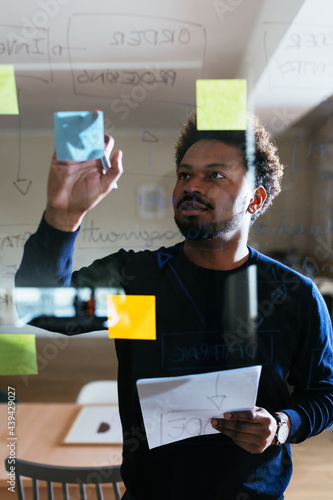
47 258
312 373
47 262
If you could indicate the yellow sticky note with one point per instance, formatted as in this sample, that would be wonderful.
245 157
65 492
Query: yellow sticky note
8 95
18 354
131 317
221 104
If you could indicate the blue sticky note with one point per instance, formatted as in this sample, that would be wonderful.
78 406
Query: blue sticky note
79 135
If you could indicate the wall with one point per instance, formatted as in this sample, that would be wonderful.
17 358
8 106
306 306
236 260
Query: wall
297 229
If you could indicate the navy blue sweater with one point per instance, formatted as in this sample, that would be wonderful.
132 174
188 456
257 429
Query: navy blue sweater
202 319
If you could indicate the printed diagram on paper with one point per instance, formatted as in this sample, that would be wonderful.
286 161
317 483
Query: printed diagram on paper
176 408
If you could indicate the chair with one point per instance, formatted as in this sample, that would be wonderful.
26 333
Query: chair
98 392
80 476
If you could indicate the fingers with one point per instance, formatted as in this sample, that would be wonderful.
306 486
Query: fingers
241 415
251 438
101 176
252 430
116 165
116 159
109 143
233 427
112 175
55 161
240 432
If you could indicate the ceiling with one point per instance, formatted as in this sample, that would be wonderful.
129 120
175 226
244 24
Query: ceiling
138 62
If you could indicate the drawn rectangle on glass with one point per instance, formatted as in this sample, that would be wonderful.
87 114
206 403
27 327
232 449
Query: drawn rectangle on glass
144 57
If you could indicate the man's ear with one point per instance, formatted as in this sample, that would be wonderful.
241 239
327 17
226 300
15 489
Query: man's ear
257 200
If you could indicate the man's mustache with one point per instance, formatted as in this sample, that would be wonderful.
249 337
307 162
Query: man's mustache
195 198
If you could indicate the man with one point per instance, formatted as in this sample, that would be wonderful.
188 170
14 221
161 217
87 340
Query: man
205 289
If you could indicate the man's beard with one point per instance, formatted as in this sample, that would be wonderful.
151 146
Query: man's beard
193 229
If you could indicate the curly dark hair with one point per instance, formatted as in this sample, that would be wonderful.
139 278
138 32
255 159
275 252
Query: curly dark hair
260 152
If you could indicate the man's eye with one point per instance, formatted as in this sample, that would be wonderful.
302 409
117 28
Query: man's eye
183 175
217 175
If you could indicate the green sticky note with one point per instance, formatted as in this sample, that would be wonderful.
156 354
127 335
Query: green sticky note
8 95
18 354
221 104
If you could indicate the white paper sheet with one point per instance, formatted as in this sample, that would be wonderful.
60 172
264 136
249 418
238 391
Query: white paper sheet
96 424
176 408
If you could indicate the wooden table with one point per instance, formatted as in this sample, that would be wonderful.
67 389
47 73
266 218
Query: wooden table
41 427
40 430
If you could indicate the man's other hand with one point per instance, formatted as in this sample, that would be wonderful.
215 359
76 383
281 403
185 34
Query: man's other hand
254 431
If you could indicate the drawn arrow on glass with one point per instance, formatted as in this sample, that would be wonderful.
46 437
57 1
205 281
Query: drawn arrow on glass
217 399
150 138
163 258
21 184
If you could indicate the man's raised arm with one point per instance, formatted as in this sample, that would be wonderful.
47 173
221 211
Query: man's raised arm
73 189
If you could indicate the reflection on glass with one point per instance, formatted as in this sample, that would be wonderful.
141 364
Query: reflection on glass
54 308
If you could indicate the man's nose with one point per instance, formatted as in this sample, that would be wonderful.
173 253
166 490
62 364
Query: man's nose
194 185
